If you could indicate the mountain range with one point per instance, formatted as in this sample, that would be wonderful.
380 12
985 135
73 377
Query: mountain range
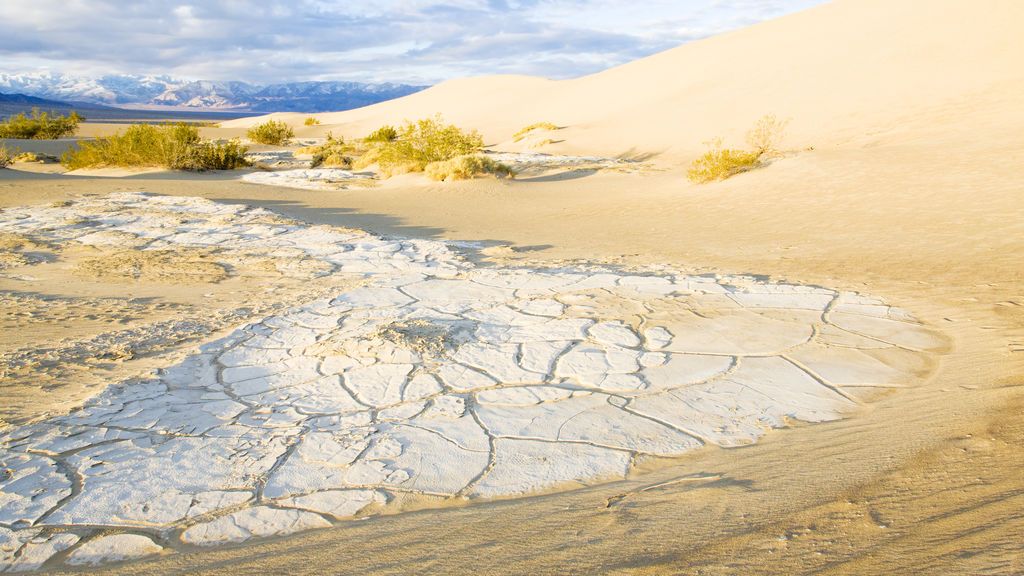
128 91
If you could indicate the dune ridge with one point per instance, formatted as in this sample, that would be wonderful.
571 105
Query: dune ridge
837 70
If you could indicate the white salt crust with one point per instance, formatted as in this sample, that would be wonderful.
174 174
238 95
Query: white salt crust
307 178
435 377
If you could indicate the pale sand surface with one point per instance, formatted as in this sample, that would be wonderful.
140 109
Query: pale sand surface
917 200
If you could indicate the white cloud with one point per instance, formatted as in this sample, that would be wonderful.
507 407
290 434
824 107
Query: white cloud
397 40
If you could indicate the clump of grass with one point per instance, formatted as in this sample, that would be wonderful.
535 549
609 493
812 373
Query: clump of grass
546 126
385 133
271 132
27 157
40 126
6 156
466 167
424 141
174 146
719 163
368 158
335 153
311 121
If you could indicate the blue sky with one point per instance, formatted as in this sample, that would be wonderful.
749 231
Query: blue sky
384 40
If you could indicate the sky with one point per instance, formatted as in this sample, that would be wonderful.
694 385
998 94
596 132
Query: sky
409 41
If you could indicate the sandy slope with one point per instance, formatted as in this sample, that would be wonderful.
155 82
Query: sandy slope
913 193
841 71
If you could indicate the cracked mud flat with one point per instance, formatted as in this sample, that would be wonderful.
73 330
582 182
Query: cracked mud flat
434 381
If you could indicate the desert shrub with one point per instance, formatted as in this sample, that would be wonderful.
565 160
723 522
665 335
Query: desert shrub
40 126
532 127
466 167
6 156
270 132
174 146
368 158
766 134
424 141
335 153
719 163
311 121
385 133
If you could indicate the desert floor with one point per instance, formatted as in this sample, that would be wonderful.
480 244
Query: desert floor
926 479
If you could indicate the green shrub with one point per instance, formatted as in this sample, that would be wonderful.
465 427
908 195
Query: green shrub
466 167
335 153
719 163
424 141
40 126
174 146
270 132
538 126
311 121
6 156
383 134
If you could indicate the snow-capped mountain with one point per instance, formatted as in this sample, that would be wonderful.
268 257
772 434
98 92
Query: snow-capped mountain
148 91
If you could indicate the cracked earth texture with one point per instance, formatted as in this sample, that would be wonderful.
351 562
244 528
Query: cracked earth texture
435 378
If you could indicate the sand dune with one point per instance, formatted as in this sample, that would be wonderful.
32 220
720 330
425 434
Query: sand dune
841 72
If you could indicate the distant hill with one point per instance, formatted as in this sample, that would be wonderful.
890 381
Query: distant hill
11 104
128 91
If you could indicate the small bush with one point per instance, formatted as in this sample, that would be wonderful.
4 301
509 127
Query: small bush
720 163
174 146
311 121
367 158
270 132
424 141
6 156
335 153
466 167
538 126
383 134
40 126
766 134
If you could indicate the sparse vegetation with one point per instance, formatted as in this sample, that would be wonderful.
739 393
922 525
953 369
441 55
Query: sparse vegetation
546 126
40 126
335 153
766 134
383 134
719 163
367 158
6 156
424 141
174 146
271 132
466 167
311 121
